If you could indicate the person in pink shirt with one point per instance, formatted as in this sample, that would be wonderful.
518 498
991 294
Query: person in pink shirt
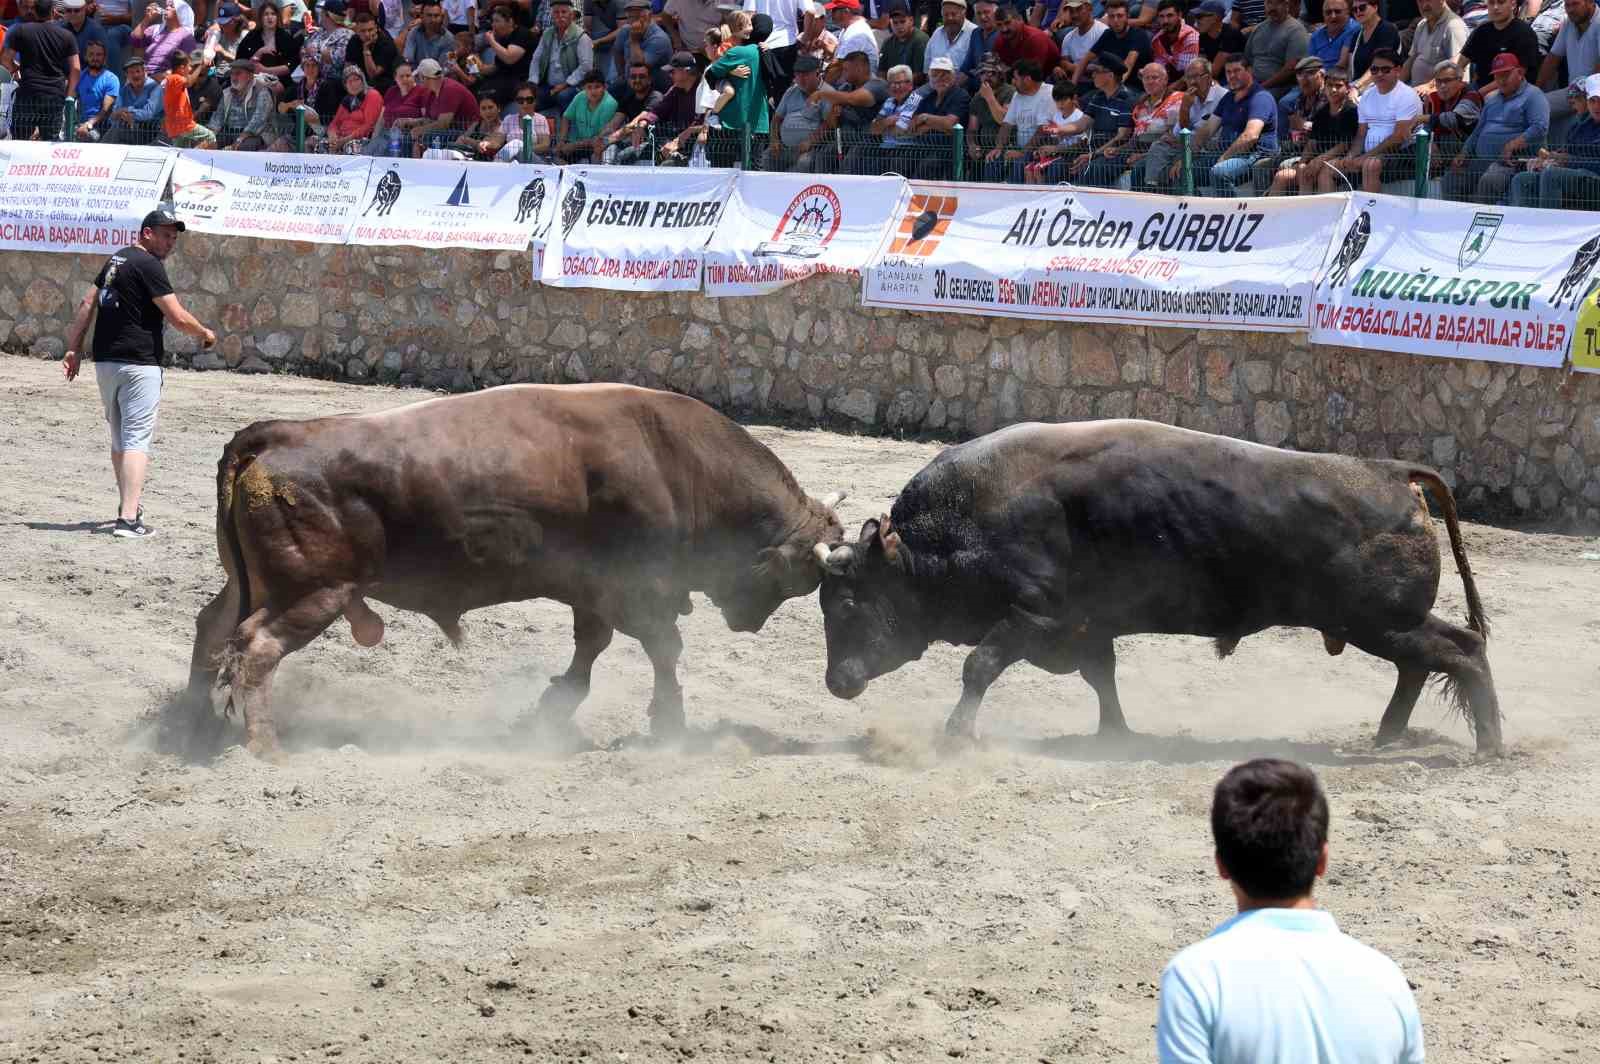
1177 43
450 108
160 42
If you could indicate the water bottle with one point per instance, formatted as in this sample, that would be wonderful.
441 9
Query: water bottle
394 142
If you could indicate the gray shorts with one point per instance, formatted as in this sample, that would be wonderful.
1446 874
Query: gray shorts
131 395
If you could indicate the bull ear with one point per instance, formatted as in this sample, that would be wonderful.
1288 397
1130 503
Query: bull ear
869 531
834 499
891 548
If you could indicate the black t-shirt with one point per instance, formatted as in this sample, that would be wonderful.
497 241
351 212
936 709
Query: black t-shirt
1328 129
1486 42
1229 41
43 50
1135 40
518 71
1385 36
630 104
674 112
129 329
384 53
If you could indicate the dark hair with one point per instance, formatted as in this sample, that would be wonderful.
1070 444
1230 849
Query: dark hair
1063 90
1109 4
1232 58
1269 819
639 63
364 15
594 77
489 95
1385 53
1028 69
1172 4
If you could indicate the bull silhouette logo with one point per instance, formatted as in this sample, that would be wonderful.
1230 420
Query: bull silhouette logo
572 206
1480 234
531 200
386 194
1573 286
1355 242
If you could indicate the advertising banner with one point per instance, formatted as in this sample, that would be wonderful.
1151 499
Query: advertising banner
1119 257
1584 354
79 198
268 194
634 229
1457 280
782 228
430 203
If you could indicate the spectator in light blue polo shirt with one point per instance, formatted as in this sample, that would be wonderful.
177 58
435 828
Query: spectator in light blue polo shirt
1280 983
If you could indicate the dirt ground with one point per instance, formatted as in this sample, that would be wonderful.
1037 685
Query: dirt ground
810 880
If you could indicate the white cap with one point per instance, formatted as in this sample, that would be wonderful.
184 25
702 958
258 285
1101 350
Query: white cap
1591 86
943 63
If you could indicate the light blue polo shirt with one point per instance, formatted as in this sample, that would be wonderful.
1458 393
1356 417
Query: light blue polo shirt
1285 986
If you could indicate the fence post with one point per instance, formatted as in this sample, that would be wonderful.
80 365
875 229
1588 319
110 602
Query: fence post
1423 159
300 129
69 118
651 135
527 138
744 147
1186 142
958 138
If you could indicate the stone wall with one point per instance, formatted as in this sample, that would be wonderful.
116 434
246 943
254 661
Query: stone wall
1515 442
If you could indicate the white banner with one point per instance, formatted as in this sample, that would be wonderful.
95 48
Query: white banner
1456 280
1076 255
634 229
267 194
80 198
430 203
782 228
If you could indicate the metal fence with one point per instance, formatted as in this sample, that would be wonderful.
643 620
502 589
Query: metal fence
1429 167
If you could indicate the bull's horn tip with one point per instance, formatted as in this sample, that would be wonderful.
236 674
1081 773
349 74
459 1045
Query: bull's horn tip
834 499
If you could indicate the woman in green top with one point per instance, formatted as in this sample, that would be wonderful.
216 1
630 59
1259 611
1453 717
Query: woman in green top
748 109
587 120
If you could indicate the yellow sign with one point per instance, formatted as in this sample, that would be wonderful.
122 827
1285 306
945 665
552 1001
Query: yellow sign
1585 352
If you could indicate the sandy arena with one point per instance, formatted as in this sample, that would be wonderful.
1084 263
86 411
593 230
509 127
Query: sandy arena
809 881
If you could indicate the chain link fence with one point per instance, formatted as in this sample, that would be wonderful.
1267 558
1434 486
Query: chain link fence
1429 167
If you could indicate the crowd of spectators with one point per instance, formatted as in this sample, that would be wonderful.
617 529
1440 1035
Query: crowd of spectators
1281 96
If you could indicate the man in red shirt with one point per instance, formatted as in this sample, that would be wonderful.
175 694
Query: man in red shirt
1176 44
1016 40
449 108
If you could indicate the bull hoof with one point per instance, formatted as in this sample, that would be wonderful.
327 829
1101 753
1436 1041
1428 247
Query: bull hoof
267 750
956 744
562 697
1388 739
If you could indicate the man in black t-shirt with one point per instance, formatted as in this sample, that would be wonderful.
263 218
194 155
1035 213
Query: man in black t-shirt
1503 31
43 56
134 300
1218 37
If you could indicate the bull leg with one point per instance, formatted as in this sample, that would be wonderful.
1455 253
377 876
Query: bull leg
1098 666
264 640
1005 645
196 728
1458 653
590 637
1401 703
664 646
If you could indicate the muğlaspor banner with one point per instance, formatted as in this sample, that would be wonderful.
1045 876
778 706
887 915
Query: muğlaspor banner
1502 284
634 228
270 194
79 198
1070 254
432 203
782 228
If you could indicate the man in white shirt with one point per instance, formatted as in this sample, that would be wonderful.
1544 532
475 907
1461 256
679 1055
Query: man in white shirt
1031 106
853 31
1280 983
1439 36
1388 112
1077 43
955 39
1579 44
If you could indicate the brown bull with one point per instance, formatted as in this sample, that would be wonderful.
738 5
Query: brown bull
617 501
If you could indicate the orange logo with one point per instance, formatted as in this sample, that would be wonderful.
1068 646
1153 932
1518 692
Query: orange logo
927 219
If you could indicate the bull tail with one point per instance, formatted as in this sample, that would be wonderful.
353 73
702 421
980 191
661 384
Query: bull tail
233 462
1477 620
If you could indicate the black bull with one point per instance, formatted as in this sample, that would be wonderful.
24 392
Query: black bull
1043 543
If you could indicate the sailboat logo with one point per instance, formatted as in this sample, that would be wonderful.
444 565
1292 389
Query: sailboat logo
460 196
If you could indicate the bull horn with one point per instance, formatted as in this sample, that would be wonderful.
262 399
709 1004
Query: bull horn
834 499
834 561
